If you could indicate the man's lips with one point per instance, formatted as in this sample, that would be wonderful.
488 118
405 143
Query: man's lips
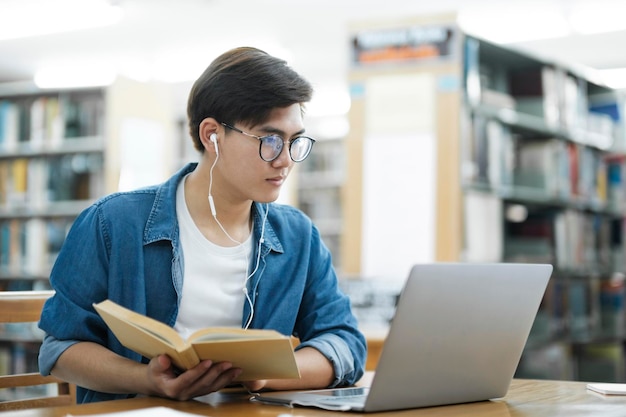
276 180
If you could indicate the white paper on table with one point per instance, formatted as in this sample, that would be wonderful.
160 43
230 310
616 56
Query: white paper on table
146 412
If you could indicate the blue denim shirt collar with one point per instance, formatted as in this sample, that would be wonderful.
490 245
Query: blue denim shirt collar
163 216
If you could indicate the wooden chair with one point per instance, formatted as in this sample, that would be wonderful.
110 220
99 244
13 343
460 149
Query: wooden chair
25 307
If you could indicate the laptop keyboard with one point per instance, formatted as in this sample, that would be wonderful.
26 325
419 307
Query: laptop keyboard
343 394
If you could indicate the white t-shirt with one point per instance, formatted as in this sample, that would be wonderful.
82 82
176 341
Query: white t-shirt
213 276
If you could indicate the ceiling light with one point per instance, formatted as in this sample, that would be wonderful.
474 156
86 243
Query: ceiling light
614 77
595 18
512 25
75 77
23 19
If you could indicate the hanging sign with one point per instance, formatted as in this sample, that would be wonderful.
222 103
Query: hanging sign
411 43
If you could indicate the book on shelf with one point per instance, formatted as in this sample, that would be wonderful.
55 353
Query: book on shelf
557 304
18 181
30 245
616 184
531 240
499 99
574 107
83 115
490 155
8 125
601 130
536 91
261 354
592 175
36 182
583 240
584 307
612 313
545 166
46 121
568 238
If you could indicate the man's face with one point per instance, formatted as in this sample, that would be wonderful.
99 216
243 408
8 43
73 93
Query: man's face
245 175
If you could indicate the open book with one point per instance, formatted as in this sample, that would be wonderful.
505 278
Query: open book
261 354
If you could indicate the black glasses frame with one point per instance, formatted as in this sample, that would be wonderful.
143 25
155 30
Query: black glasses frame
262 140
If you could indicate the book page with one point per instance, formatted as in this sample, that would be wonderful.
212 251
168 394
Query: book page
232 333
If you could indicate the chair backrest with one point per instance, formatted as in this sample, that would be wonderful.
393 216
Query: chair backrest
25 307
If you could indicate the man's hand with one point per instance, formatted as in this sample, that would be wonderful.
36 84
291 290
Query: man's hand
204 378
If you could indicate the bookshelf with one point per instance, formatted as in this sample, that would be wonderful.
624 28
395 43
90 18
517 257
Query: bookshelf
52 151
60 150
543 148
51 168
319 183
530 163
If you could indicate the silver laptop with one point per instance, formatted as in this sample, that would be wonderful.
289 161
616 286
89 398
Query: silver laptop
457 337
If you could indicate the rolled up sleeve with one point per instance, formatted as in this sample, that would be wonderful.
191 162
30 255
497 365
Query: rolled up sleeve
49 353
337 351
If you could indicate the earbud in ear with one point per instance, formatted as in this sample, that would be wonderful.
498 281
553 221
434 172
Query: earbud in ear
213 138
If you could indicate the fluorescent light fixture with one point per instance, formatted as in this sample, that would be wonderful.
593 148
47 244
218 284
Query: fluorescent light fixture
28 18
614 77
75 77
588 19
515 24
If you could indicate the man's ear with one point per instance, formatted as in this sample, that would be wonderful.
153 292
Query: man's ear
208 128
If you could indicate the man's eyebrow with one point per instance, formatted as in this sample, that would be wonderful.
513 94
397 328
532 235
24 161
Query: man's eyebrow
270 129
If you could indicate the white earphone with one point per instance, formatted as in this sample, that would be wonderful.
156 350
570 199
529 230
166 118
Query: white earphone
213 138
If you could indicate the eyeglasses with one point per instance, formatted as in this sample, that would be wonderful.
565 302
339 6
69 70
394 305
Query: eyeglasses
271 146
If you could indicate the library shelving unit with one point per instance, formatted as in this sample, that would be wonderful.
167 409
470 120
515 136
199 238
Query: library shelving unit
543 155
529 164
60 150
320 180
51 168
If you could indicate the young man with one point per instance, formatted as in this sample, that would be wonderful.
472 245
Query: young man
207 248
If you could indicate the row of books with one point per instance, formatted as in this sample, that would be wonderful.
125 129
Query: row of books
47 121
581 309
603 362
34 182
29 247
553 167
560 99
569 239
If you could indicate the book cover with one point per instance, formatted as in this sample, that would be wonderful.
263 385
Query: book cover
261 354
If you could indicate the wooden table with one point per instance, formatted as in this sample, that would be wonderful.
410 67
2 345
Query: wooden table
531 398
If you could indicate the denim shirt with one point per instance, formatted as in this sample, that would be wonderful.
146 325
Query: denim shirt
126 248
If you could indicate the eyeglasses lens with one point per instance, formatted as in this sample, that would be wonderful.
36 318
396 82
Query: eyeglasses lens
300 148
271 146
